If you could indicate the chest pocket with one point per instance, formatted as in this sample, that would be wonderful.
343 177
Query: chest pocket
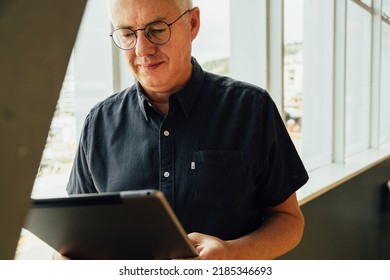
219 178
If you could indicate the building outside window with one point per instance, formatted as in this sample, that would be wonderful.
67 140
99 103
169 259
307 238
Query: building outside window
293 69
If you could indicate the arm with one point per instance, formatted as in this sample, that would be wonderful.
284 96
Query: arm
280 233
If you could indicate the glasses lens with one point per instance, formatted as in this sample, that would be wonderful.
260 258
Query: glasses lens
158 32
124 38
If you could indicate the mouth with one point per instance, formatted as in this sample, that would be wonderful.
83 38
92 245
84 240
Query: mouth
150 66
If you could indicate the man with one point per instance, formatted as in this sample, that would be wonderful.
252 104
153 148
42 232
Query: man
217 148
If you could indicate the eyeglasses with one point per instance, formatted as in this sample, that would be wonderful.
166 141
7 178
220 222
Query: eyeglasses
157 32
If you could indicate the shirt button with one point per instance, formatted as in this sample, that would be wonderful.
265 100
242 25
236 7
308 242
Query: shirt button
166 174
166 133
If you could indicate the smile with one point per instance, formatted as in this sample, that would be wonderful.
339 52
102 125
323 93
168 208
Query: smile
150 66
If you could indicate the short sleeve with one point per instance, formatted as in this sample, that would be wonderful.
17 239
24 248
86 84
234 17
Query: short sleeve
283 171
80 180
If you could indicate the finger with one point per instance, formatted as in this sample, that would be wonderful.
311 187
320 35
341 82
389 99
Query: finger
57 256
195 237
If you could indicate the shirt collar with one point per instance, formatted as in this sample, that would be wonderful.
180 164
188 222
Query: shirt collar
143 100
187 96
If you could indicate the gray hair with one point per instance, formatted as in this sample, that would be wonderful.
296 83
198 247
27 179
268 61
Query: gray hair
183 5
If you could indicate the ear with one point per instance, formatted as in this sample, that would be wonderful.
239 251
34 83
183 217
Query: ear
195 22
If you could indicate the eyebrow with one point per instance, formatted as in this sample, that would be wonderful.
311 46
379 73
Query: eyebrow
131 27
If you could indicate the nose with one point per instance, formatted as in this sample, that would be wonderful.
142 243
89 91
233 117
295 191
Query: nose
143 46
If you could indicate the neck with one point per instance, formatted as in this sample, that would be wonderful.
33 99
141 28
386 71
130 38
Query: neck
162 105
160 97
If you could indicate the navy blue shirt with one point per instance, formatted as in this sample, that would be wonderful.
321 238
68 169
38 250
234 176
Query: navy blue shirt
221 155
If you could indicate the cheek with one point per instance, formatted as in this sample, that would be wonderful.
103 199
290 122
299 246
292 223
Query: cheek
129 57
180 52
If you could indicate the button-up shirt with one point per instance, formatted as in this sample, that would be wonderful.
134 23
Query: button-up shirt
221 155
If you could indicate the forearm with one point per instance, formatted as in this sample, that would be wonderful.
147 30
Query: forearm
279 234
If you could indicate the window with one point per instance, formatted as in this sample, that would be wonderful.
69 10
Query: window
61 143
248 57
386 8
317 130
385 82
366 2
358 81
293 69
88 80
212 46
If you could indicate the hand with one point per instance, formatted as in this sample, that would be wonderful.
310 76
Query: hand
58 257
209 247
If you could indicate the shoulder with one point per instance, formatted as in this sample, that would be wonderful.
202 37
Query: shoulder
103 117
106 112
112 105
114 101
227 87
228 84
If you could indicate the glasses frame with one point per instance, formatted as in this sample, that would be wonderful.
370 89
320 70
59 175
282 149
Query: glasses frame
135 31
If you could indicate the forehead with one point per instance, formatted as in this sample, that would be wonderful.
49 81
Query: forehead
137 13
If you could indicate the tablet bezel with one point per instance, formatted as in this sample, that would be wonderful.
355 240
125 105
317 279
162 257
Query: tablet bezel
124 225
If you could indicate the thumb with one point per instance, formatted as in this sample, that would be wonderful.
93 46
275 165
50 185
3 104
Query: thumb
195 237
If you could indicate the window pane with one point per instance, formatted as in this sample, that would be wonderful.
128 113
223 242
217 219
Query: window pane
317 132
88 80
293 69
212 51
367 2
61 143
385 85
386 7
358 79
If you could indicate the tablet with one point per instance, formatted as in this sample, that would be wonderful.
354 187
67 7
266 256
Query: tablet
124 225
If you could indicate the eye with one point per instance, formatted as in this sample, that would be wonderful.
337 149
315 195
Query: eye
127 34
157 30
